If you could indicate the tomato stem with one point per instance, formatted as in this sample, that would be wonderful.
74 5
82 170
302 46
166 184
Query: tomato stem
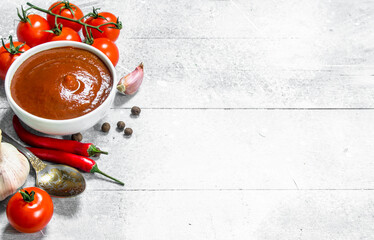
95 13
116 24
58 3
56 30
24 17
89 39
12 49
69 7
87 15
27 197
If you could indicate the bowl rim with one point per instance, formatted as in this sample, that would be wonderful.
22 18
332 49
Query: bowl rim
47 46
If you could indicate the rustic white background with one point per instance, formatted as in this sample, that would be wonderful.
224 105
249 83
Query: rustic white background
257 123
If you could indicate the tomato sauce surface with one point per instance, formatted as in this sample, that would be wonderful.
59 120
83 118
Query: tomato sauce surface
61 83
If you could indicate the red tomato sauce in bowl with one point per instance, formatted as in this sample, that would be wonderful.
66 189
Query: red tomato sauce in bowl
61 83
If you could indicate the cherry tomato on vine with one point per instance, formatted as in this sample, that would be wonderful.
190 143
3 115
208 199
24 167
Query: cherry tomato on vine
65 9
65 34
31 29
109 31
9 53
108 47
30 210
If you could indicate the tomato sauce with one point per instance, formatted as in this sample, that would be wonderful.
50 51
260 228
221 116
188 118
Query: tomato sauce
61 83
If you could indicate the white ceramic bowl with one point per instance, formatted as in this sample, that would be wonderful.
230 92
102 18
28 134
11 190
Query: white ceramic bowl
67 126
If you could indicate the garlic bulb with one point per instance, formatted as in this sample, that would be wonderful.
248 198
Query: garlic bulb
14 169
130 83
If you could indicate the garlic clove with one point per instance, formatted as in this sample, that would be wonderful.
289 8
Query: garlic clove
14 169
130 83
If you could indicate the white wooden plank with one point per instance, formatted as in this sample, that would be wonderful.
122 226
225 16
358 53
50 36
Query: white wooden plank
225 149
323 60
161 19
208 215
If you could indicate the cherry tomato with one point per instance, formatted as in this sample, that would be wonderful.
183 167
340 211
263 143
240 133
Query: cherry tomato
65 9
108 47
9 54
33 32
65 34
30 213
108 30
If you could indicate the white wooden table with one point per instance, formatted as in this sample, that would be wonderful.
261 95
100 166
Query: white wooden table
257 123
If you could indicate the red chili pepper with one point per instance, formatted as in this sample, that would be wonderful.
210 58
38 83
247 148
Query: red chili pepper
71 146
83 163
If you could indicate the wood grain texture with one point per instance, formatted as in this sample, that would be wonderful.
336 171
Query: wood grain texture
257 123
228 173
209 215
239 54
234 149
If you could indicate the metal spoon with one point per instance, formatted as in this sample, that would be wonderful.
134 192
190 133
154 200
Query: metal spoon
56 179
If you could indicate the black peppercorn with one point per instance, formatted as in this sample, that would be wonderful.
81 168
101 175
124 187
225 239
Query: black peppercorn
128 131
77 137
135 110
105 127
121 125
